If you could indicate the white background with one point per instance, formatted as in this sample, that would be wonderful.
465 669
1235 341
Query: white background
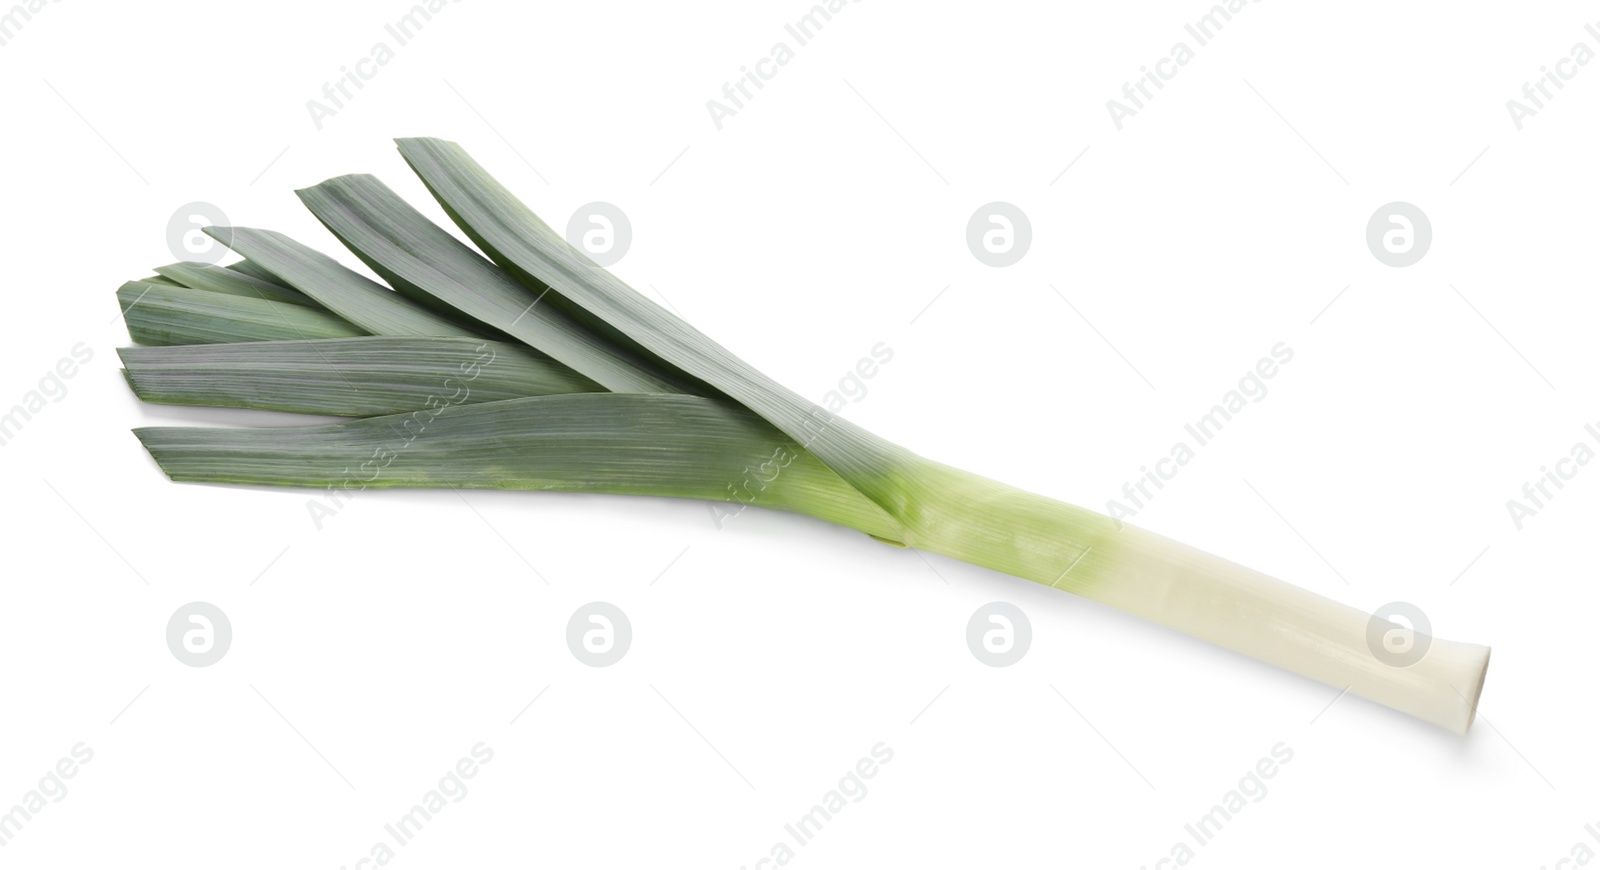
822 219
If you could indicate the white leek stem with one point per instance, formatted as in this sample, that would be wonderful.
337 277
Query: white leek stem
990 524
1282 624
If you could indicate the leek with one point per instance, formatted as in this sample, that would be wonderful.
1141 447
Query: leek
594 388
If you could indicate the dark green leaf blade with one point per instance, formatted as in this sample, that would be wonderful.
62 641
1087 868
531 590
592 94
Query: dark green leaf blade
424 261
345 292
158 314
525 246
254 270
347 377
624 443
202 276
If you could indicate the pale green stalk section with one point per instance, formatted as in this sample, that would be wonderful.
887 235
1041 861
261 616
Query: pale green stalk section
347 377
977 520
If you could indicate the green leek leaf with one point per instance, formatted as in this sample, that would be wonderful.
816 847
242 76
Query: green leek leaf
158 314
633 443
345 292
201 276
424 261
346 377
